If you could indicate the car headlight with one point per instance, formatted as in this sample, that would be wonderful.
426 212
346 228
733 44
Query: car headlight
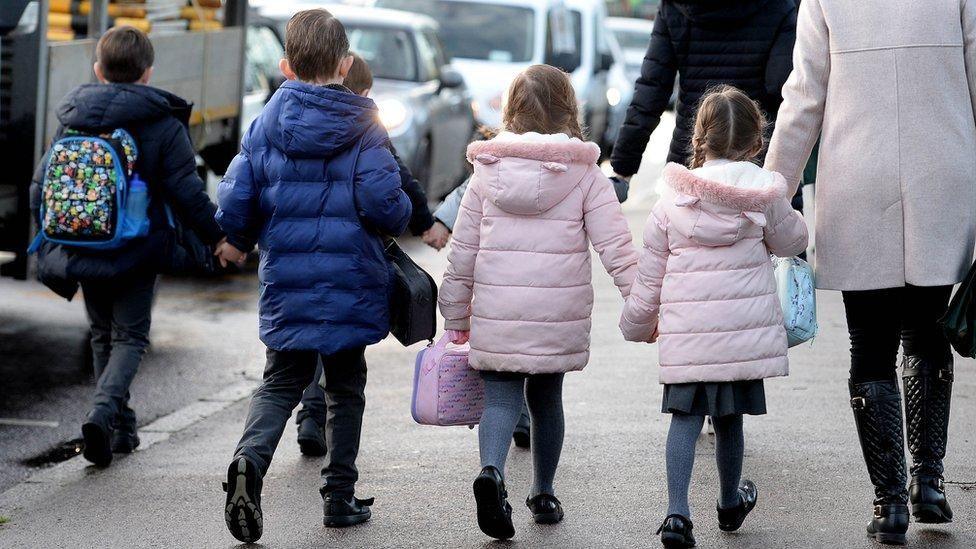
613 96
394 115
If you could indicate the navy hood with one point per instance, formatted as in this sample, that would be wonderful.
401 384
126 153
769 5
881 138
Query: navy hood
309 121
103 106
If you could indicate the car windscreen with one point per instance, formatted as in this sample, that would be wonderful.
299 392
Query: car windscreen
475 30
388 52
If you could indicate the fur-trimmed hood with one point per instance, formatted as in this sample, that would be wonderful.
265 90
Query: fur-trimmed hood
530 173
735 195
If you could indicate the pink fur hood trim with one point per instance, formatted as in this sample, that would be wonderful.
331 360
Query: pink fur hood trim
573 151
683 181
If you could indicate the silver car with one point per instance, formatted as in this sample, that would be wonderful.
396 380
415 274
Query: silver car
424 103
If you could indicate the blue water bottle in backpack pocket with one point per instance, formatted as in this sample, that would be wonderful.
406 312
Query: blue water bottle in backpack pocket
136 208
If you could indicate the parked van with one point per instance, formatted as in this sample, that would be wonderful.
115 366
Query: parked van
490 41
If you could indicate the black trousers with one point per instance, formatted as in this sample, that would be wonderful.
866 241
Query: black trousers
286 376
878 319
119 313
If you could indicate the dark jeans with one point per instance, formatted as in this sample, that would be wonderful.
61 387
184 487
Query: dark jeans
878 319
120 315
286 376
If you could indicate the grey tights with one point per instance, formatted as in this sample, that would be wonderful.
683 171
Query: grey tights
680 459
504 395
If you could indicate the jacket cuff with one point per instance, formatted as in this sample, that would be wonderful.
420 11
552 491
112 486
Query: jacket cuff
637 332
459 324
421 221
242 244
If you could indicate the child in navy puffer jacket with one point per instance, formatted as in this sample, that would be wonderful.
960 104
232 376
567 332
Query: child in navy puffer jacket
316 187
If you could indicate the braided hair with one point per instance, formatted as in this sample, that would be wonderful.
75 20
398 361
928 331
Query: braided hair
727 125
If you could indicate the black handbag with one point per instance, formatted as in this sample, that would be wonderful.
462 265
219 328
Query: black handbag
413 298
959 321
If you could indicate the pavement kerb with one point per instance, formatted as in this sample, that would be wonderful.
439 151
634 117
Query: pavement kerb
39 484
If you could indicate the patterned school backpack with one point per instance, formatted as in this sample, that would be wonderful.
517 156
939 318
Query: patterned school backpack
798 298
446 390
91 196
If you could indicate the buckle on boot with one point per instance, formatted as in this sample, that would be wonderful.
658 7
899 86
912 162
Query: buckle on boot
859 403
878 512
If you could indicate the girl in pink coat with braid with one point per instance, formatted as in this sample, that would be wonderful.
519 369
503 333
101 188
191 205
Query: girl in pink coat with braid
705 290
519 279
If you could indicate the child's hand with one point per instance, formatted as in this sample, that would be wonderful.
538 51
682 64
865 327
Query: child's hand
436 236
459 337
227 253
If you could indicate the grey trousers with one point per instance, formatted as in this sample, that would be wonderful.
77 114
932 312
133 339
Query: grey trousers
119 314
286 375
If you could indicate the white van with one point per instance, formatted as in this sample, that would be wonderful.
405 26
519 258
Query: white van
490 41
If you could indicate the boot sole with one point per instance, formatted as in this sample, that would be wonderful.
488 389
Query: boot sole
492 518
346 520
311 447
98 446
672 540
890 539
929 513
548 518
241 511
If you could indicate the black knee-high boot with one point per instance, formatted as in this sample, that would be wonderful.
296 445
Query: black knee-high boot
928 388
877 415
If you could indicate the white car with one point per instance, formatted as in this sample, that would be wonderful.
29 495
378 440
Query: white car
490 41
628 40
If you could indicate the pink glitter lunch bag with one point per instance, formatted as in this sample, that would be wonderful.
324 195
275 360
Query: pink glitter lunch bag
446 391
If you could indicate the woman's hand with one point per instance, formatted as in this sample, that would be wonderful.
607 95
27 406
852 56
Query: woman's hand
459 337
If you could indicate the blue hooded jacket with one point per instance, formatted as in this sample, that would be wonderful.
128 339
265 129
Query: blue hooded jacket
316 187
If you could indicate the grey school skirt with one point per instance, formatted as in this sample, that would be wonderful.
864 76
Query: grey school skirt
715 399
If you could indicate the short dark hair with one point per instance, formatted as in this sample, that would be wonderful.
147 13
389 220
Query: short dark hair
124 54
315 44
360 78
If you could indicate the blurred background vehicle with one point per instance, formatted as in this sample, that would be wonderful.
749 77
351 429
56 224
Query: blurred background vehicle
423 101
627 39
490 41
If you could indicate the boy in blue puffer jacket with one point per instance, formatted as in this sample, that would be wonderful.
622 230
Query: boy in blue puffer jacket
316 187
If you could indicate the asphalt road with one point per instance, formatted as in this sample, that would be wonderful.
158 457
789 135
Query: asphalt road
803 455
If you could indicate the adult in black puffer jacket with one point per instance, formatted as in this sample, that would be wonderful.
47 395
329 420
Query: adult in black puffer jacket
744 43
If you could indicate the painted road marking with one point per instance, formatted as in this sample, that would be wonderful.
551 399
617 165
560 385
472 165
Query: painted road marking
28 422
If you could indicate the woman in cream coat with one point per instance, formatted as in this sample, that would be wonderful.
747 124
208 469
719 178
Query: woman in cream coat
890 86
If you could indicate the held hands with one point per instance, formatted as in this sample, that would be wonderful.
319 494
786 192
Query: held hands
436 236
459 337
227 254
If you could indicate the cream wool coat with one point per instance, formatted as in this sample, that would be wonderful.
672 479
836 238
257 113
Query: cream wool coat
705 280
890 85
520 270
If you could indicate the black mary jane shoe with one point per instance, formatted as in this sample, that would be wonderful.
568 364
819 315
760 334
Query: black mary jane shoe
676 533
242 509
730 519
494 511
340 511
545 508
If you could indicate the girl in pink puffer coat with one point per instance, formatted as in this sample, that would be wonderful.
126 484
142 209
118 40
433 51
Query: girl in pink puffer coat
705 290
519 279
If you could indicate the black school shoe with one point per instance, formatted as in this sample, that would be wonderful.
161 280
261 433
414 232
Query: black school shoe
242 512
124 442
676 533
521 437
730 519
98 442
342 510
311 439
545 508
494 511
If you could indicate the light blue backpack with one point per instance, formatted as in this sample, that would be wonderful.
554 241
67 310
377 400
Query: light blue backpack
797 297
